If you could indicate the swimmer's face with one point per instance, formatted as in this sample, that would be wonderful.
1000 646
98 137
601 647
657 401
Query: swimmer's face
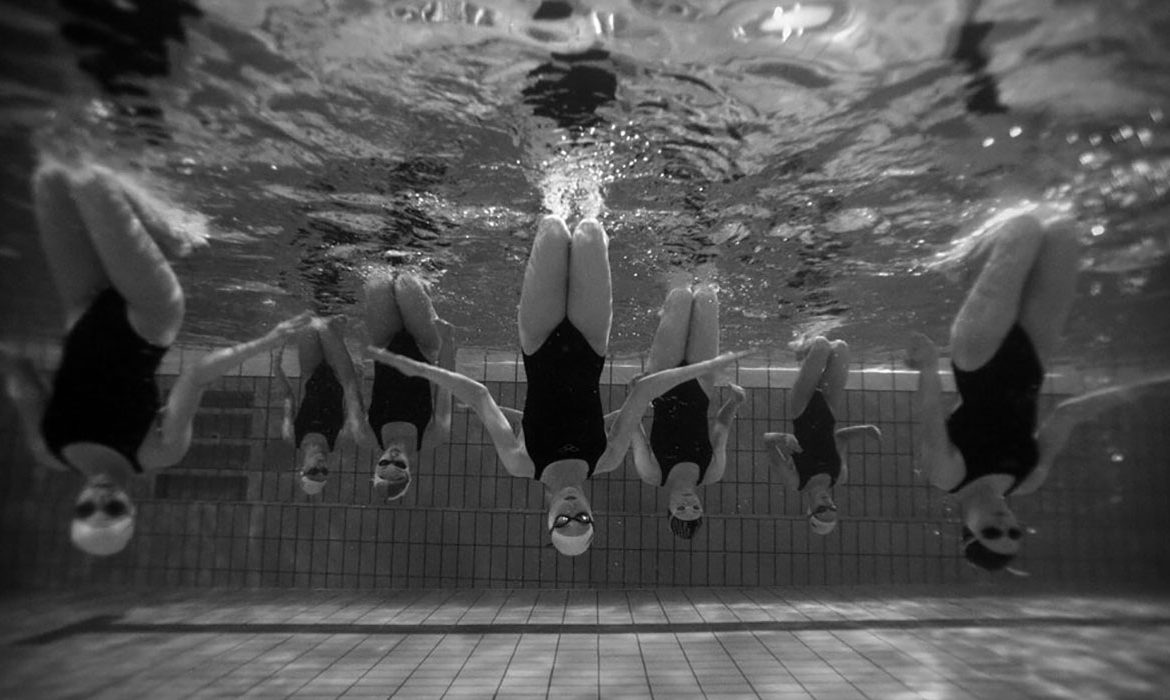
685 505
824 507
394 458
314 467
103 518
995 526
569 512
392 472
102 503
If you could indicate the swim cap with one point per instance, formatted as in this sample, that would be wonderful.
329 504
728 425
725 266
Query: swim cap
102 540
572 545
821 527
396 486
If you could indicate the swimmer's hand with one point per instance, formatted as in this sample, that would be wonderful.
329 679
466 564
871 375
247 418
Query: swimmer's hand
854 432
293 326
409 367
786 443
921 352
358 430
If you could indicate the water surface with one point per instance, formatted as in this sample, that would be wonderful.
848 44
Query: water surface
814 159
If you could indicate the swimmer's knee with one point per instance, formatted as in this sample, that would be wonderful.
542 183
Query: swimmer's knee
706 293
589 230
380 281
678 296
820 344
159 323
1023 228
407 280
552 226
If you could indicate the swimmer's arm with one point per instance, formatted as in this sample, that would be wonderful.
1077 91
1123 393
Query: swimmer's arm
330 336
720 432
850 435
1053 435
935 452
29 397
781 446
286 401
648 467
846 437
476 397
730 407
642 391
443 395
167 445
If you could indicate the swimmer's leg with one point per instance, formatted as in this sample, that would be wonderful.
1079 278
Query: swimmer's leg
835 376
383 321
133 261
669 347
703 339
808 379
590 300
544 296
993 304
74 264
1050 289
418 314
310 353
332 343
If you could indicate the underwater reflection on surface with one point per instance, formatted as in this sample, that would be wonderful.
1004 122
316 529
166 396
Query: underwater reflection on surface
818 159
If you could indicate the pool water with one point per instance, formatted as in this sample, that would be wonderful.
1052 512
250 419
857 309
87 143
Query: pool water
814 159
827 164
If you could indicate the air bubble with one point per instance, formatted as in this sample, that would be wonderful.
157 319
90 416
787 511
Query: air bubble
1015 131
987 142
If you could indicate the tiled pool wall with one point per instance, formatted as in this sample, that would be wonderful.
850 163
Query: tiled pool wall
232 513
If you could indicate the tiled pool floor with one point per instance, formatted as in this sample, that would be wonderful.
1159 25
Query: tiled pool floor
671 643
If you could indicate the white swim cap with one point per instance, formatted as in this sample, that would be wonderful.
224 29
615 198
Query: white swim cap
572 545
311 487
396 486
821 527
102 540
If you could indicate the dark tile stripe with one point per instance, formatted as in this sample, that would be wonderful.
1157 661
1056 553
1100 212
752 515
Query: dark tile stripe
109 624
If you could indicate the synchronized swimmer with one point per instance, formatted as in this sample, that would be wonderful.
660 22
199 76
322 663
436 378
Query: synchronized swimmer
107 242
